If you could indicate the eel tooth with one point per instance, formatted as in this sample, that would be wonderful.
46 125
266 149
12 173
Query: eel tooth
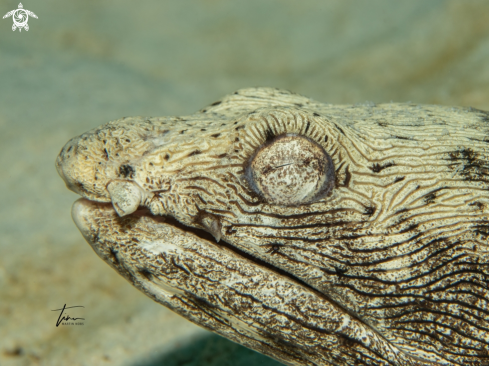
212 225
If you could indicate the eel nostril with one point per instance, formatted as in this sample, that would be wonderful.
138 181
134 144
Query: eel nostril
67 152
64 164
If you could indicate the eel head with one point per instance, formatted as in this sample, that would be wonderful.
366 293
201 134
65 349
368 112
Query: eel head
317 234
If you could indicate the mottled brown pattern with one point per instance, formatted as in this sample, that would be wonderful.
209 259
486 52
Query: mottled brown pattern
391 266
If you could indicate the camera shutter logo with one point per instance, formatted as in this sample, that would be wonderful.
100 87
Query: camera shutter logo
20 17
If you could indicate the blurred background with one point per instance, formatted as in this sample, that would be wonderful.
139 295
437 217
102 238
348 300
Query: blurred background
84 63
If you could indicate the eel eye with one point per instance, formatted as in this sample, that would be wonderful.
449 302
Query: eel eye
291 170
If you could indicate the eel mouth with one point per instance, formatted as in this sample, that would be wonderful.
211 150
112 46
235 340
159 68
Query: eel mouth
90 216
103 228
100 224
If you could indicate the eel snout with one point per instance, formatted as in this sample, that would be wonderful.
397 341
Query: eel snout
65 162
87 170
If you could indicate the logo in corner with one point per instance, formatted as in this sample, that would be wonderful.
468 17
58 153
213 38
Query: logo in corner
20 17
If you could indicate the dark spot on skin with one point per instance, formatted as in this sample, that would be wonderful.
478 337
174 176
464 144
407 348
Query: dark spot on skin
402 138
325 138
216 135
216 103
472 167
126 171
235 93
127 140
269 135
204 110
299 105
479 205
307 126
340 271
377 167
340 130
315 114
113 256
398 179
409 228
106 154
346 182
235 123
482 230
203 129
196 152
167 156
222 155
239 128
95 238
145 273
274 248
182 132
337 183
430 198
80 187
202 303
369 211
347 341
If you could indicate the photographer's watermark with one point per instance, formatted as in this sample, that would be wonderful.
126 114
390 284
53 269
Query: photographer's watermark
66 319
20 17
